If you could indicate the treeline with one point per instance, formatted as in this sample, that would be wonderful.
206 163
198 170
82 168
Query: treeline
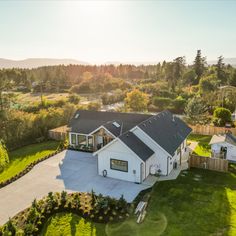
18 128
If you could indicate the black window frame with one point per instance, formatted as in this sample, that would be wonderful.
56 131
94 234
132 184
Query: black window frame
74 135
112 159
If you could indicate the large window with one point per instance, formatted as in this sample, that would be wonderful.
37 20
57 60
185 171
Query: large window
119 165
81 139
73 139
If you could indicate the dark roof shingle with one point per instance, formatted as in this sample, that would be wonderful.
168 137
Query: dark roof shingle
167 130
136 145
88 121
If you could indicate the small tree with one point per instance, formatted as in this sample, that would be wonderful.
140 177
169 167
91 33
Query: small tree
221 116
196 109
136 100
4 159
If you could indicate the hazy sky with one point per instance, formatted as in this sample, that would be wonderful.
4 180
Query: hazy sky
100 31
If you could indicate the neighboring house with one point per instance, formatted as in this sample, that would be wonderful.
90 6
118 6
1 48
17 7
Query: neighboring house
224 146
131 146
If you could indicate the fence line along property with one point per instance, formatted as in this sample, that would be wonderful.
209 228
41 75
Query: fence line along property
59 133
216 164
211 130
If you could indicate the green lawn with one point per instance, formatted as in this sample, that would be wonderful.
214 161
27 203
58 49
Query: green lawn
71 224
203 148
22 157
199 202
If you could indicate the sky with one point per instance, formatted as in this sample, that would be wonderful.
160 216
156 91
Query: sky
117 31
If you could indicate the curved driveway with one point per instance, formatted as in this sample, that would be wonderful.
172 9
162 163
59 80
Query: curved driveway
69 170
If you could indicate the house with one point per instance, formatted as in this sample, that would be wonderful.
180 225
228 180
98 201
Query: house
131 146
224 146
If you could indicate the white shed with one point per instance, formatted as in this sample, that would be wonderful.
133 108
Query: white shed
224 146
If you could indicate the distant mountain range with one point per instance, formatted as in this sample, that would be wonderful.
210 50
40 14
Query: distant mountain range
38 62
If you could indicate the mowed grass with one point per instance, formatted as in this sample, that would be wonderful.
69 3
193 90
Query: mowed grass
198 202
22 157
71 224
203 148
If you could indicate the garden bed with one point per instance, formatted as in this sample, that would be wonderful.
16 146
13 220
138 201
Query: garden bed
94 208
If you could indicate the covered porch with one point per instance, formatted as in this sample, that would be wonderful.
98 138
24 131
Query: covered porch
90 142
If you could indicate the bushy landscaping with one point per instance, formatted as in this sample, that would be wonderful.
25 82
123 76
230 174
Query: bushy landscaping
93 208
203 148
21 158
198 202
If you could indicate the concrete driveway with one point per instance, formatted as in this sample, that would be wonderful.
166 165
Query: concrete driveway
69 170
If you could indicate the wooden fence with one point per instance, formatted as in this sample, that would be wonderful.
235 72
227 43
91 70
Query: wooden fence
209 163
211 130
59 133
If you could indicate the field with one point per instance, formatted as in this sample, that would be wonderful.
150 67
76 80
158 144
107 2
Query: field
25 99
199 202
22 157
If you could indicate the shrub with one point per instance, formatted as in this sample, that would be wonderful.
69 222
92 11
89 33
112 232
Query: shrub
4 159
94 106
9 228
221 116
74 98
162 102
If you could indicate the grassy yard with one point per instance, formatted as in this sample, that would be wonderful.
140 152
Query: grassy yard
71 224
203 148
22 157
199 202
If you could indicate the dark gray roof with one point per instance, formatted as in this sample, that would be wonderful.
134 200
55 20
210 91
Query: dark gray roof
88 121
112 128
230 138
167 130
136 145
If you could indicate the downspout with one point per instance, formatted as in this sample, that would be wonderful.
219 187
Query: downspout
167 165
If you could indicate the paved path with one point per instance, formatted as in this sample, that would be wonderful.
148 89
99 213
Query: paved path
69 170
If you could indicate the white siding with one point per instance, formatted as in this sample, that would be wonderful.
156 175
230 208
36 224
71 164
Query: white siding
231 150
160 154
149 162
118 150
161 157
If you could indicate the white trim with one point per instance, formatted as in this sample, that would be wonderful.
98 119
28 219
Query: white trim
114 140
117 139
91 133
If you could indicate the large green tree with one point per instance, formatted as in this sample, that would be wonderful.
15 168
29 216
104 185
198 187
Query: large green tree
5 84
196 109
199 65
221 75
136 100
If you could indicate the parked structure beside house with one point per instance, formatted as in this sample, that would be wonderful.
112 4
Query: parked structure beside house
131 146
224 146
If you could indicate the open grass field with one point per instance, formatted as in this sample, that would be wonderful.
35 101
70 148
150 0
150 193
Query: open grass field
22 157
198 202
203 148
